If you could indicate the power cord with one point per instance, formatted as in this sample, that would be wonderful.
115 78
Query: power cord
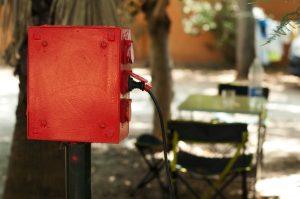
165 147
146 87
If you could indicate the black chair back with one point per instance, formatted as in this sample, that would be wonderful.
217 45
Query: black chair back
208 132
240 90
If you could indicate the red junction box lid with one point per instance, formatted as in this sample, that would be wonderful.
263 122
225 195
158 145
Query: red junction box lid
74 77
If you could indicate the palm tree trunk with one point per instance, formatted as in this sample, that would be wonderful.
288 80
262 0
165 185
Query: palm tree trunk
159 28
245 38
36 168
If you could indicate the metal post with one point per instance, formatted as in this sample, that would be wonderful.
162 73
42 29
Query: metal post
78 170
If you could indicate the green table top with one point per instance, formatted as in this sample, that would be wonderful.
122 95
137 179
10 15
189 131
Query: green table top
240 104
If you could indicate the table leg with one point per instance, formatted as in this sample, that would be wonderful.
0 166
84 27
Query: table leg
259 151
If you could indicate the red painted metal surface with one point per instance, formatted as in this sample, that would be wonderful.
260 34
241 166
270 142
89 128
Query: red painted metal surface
75 76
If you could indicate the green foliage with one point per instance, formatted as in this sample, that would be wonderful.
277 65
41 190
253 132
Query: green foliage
217 17
287 23
199 16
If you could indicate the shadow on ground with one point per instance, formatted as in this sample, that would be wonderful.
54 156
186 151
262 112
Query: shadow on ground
116 171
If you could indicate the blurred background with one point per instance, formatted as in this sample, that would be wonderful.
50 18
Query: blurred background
183 47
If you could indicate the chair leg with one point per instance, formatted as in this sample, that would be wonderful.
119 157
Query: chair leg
195 194
244 185
174 176
151 175
219 191
145 180
263 139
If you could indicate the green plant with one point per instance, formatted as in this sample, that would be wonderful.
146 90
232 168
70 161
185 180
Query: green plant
217 17
290 21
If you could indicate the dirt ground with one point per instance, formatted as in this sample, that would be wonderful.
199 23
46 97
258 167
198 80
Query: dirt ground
116 169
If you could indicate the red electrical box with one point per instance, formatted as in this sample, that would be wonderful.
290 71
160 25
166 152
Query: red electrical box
77 83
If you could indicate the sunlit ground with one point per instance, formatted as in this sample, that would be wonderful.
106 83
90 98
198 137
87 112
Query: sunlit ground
8 102
285 187
281 173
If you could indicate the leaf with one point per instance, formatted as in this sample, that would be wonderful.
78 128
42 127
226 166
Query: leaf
285 25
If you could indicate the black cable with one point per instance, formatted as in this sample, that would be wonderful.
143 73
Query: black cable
132 84
165 147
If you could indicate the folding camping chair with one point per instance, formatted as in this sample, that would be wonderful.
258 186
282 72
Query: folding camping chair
218 172
148 145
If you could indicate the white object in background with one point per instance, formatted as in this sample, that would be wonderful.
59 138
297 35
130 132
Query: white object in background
255 78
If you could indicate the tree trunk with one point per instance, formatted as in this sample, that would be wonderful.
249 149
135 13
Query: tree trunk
245 38
36 168
159 27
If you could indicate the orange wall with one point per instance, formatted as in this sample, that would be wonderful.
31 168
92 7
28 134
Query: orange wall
183 48
140 38
278 8
187 48
191 49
